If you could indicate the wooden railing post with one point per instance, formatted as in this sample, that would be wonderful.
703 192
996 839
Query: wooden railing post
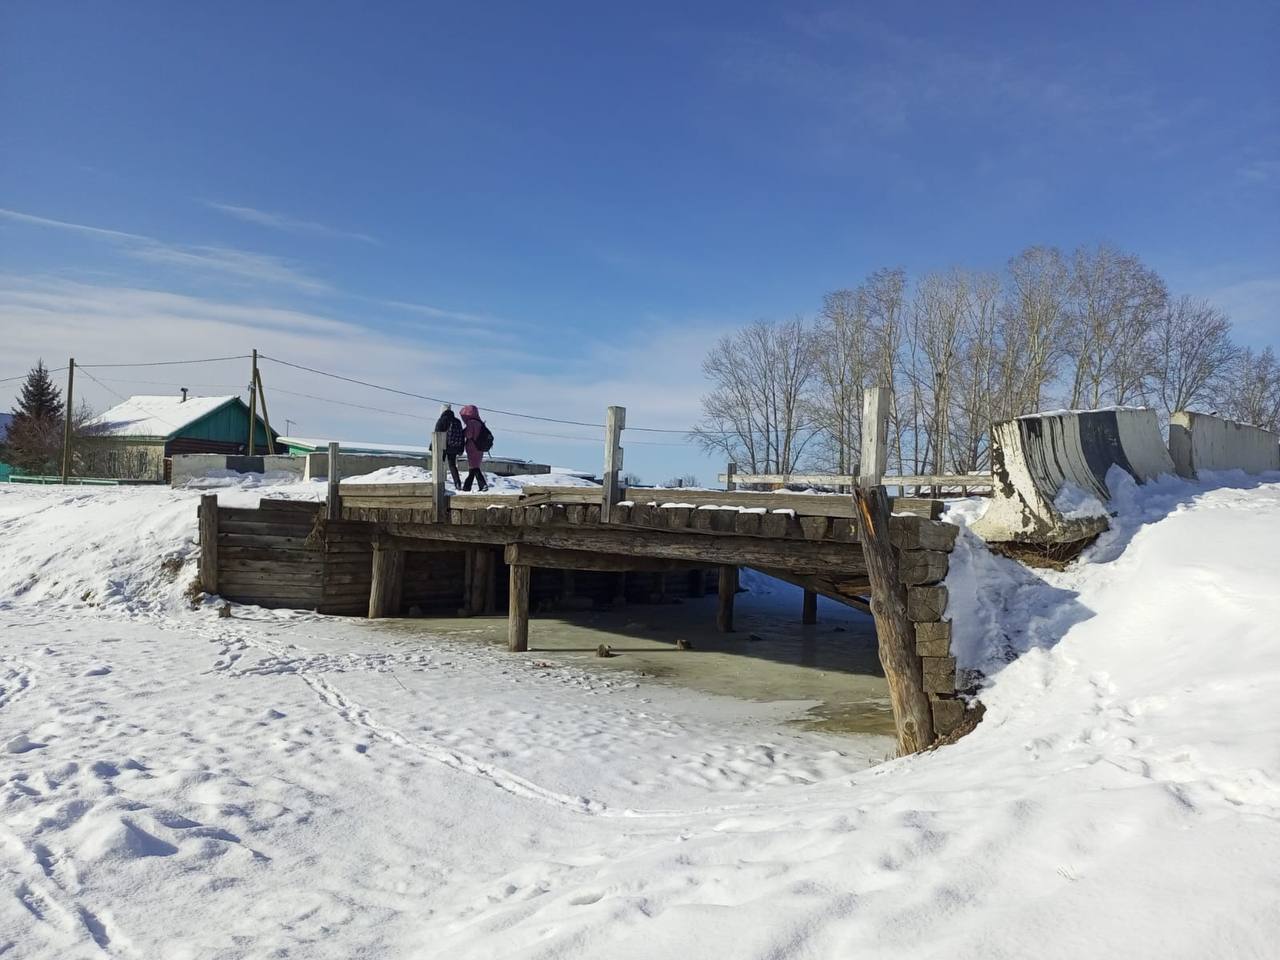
334 506
894 631
439 495
730 475
875 436
615 421
208 526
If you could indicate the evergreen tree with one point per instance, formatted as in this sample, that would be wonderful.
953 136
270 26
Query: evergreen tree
34 443
40 399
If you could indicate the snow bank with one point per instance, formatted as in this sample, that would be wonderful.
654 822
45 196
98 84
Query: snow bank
202 787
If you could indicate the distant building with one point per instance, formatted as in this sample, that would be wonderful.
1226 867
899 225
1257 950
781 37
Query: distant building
132 440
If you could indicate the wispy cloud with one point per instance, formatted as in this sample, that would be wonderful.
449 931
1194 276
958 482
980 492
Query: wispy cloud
280 221
226 261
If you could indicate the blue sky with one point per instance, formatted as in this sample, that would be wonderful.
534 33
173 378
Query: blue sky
553 207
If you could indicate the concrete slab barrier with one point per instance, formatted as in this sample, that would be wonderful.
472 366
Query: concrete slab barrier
1201 441
1041 461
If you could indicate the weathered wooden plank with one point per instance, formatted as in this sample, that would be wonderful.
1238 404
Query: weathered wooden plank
894 630
296 518
917 533
814 528
268 542
926 604
310 507
933 639
236 588
939 674
531 555
387 576
518 610
265 528
207 524
747 524
418 489
279 567
922 566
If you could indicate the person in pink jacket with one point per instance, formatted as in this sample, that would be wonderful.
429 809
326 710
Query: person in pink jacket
473 428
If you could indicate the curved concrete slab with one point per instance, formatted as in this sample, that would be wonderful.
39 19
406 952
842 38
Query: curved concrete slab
1038 459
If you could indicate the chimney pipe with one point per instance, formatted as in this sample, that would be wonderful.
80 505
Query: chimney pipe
184 395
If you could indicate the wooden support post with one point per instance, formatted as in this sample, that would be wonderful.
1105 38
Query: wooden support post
439 495
491 582
482 558
615 421
68 414
253 404
809 615
730 472
208 525
518 611
262 397
334 506
387 588
724 610
894 630
876 402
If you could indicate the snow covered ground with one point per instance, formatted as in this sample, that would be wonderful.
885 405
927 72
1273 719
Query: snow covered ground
284 785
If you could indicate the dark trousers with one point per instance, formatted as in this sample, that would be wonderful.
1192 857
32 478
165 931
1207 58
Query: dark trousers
476 474
452 460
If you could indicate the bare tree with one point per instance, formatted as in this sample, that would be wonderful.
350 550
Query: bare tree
976 386
1192 355
1113 304
1253 395
1032 329
756 414
887 306
843 367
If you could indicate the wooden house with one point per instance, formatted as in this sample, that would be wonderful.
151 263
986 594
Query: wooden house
134 439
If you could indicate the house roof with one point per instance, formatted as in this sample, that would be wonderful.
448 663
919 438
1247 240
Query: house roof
360 446
155 416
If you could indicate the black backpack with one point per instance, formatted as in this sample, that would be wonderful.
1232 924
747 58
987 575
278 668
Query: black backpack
484 439
456 439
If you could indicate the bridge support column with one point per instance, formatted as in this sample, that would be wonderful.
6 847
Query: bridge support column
388 582
724 610
809 615
518 610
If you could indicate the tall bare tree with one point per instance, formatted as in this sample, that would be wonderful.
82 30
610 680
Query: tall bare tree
844 365
1253 395
756 414
1191 355
1113 304
1032 329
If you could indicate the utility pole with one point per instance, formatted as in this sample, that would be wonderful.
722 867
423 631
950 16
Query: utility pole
266 417
66 420
253 404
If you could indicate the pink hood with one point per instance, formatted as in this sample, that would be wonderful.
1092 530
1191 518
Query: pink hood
469 412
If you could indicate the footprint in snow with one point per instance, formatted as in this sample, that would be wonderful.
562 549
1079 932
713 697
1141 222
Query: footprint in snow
21 744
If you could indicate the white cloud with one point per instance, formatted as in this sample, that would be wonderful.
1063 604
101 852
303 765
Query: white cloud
226 261
280 221
655 373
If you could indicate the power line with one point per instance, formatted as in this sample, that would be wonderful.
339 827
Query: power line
494 410
164 363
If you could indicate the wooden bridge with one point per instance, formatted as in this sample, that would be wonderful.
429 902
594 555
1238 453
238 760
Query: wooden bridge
380 548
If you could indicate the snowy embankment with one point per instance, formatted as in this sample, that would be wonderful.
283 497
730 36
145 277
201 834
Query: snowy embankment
289 785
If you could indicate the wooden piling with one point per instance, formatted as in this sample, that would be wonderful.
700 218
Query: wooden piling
518 611
894 630
615 421
439 495
208 527
724 610
809 615
334 506
876 402
388 582
730 475
253 404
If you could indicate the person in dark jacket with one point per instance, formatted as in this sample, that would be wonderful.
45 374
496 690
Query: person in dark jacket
472 426
455 440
